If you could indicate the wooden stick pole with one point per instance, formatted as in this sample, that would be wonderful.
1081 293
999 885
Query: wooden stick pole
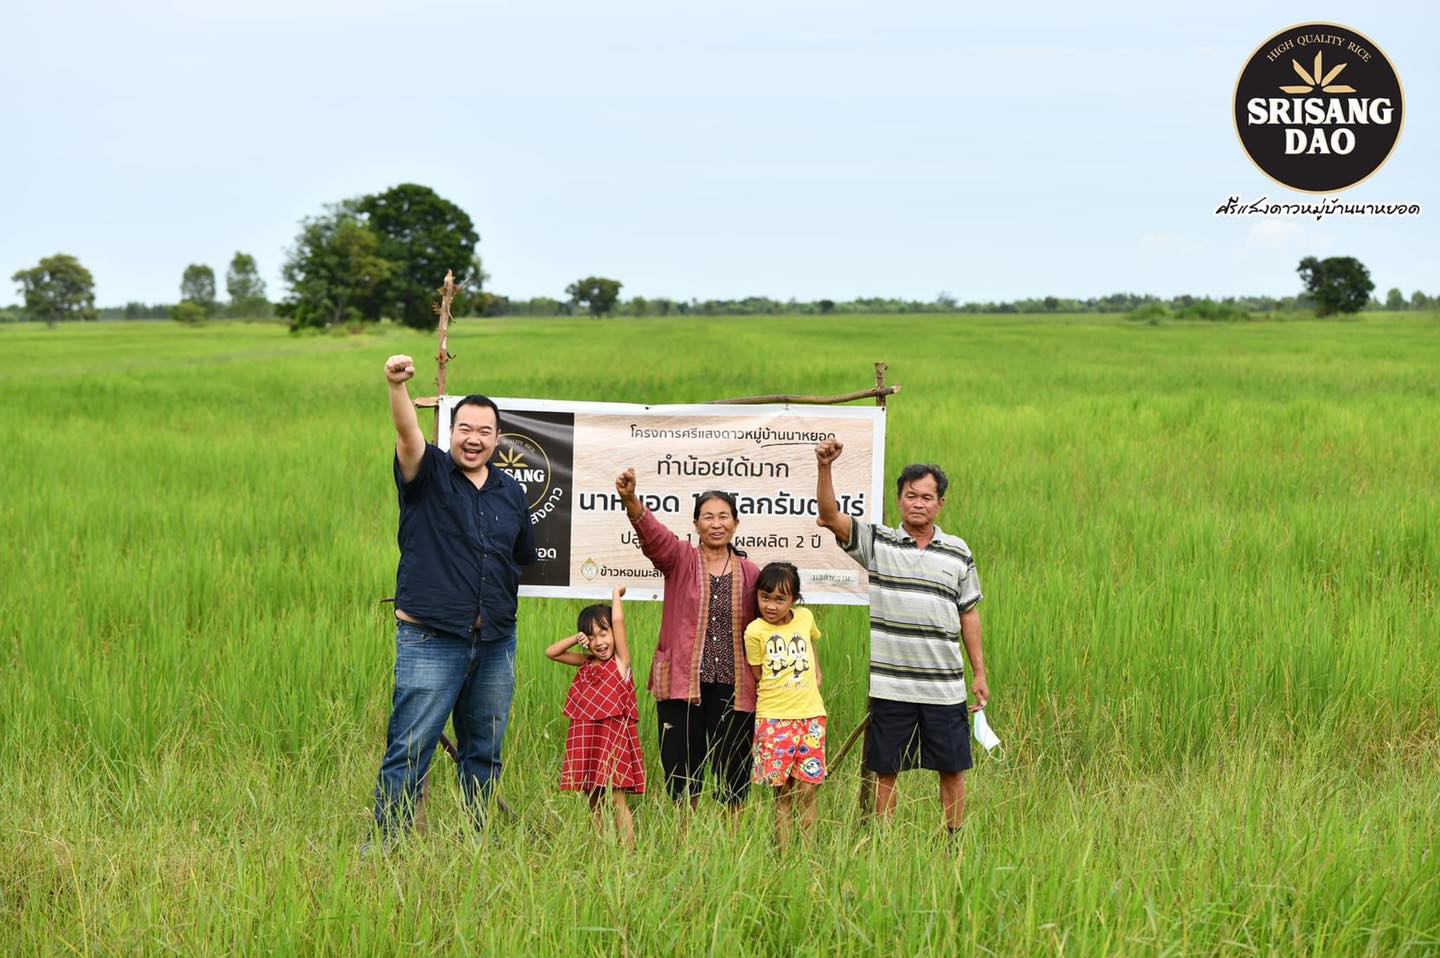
867 777
442 359
442 355
878 393
849 745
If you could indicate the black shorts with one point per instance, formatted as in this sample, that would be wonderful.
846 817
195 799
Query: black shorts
905 735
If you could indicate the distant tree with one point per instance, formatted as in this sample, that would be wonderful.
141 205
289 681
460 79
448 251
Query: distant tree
1419 300
1152 313
946 301
1339 284
595 293
422 234
246 288
489 304
334 271
134 309
189 312
826 305
57 287
197 286
640 306
539 306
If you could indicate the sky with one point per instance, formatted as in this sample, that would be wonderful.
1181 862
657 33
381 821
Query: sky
786 149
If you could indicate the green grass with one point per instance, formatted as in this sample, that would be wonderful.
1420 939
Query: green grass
1211 557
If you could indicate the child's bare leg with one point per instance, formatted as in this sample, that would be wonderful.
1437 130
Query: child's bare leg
597 806
624 822
784 804
809 807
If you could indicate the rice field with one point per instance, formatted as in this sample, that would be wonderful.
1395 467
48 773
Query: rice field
1211 557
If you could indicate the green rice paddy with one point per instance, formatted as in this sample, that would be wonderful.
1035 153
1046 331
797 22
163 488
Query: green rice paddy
1211 558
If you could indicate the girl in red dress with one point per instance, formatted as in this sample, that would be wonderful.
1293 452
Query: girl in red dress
602 748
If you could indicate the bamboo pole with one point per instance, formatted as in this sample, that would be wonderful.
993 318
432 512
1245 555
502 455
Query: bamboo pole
442 355
878 393
867 777
850 741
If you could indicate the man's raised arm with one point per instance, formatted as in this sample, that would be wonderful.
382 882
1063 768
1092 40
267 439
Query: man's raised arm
830 515
409 440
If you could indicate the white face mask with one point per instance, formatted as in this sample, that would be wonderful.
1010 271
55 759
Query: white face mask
980 726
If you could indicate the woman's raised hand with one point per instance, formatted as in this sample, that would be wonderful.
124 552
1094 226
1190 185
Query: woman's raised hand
625 484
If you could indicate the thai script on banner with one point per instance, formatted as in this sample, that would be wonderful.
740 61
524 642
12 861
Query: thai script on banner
567 455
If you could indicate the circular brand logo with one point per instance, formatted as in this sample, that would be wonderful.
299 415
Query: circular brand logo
1318 107
526 462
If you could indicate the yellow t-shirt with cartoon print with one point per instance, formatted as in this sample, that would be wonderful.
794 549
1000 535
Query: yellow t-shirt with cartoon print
788 687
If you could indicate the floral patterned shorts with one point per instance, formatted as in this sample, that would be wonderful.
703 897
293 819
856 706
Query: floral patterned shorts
789 748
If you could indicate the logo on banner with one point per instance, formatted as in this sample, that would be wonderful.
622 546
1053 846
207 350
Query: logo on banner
1318 107
526 462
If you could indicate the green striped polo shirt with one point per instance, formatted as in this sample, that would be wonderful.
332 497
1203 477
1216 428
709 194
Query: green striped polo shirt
916 599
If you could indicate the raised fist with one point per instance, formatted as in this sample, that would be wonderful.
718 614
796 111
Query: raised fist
625 483
399 369
828 451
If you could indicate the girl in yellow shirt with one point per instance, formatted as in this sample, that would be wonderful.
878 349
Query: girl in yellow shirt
789 748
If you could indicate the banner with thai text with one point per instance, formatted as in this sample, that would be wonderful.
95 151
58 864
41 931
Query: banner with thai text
567 455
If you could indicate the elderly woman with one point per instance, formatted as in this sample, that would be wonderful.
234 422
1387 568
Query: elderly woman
704 693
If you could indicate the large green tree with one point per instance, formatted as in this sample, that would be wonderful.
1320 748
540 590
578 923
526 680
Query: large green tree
422 234
57 287
1338 284
197 286
335 271
246 288
595 293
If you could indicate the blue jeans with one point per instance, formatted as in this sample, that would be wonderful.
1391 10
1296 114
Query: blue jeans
437 675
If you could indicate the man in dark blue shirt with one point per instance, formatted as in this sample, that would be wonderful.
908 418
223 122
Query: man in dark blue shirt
464 533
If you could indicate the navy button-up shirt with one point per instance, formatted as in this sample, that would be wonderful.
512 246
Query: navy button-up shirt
461 548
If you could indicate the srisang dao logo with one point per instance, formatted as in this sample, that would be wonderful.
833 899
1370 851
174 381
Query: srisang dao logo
1318 107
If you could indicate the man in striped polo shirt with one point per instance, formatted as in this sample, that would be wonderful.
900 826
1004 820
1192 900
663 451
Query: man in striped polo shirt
923 596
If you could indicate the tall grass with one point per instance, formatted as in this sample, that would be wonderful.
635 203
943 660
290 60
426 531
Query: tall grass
1211 559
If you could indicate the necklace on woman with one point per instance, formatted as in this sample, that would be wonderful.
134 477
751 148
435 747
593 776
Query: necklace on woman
723 569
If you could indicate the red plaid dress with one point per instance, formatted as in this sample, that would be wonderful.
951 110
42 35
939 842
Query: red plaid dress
602 748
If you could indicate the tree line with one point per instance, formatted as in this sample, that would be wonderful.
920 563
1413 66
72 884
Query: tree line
381 256
60 288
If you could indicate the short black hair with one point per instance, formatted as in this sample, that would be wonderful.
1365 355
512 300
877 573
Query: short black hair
919 470
777 576
475 399
593 618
